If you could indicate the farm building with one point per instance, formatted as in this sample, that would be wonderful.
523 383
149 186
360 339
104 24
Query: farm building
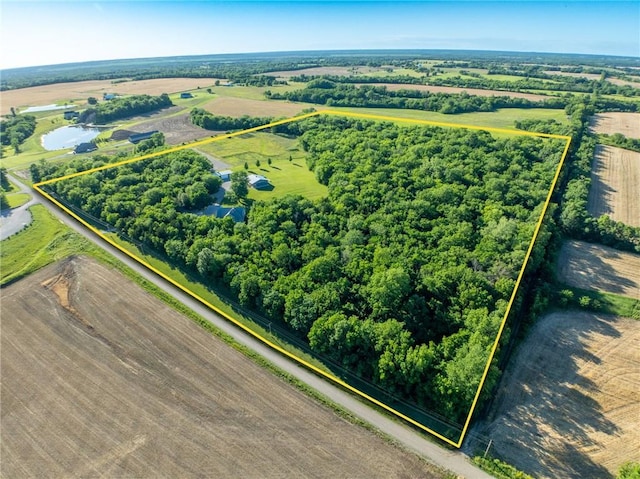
85 148
70 114
258 181
186 95
138 137
108 96
225 175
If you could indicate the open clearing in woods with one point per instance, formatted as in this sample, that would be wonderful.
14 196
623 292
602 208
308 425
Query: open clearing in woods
99 378
610 123
596 267
568 404
615 185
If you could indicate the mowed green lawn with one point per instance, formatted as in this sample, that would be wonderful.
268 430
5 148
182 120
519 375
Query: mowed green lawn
503 118
287 177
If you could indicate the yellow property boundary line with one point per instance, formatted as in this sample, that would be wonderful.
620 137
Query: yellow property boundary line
268 342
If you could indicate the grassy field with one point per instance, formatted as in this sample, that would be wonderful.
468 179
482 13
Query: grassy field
287 177
503 118
17 199
44 241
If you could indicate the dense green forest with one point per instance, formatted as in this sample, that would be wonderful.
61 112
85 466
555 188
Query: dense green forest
326 92
123 107
402 274
15 129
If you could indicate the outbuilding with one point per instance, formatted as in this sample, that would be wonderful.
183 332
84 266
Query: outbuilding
186 95
225 175
85 148
258 182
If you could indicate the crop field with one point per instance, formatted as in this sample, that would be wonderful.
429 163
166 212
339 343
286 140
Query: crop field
610 123
123 386
80 91
237 107
615 183
470 91
596 267
580 417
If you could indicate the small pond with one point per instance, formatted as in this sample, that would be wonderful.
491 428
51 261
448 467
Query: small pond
35 109
68 137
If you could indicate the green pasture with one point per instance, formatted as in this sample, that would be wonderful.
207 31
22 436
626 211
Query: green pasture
44 241
503 118
287 177
17 199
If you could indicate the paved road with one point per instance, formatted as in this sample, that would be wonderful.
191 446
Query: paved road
13 220
454 461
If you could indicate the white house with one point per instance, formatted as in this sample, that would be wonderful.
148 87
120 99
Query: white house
258 181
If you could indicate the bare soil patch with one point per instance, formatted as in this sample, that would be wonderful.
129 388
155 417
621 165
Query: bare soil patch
610 123
615 185
453 89
568 404
79 91
177 129
596 267
237 107
100 379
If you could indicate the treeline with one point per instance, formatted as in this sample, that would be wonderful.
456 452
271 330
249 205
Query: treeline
15 130
619 140
402 274
557 83
210 121
124 107
326 92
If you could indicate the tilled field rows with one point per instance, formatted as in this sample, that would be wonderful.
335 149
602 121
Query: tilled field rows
615 185
100 379
596 267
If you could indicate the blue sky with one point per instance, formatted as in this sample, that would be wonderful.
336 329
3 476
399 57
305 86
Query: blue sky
46 32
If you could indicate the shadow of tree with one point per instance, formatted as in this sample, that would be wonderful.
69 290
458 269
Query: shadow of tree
583 269
545 418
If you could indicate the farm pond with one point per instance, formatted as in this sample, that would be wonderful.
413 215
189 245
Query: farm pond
68 137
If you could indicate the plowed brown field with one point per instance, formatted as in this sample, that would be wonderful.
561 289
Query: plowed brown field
596 267
101 379
568 404
615 185
627 124
237 107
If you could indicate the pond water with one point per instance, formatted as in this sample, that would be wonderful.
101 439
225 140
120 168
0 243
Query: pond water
35 109
68 137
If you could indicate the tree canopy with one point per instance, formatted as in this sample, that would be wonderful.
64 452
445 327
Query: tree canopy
401 275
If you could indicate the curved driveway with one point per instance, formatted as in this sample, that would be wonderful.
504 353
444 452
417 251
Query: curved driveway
454 461
13 220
